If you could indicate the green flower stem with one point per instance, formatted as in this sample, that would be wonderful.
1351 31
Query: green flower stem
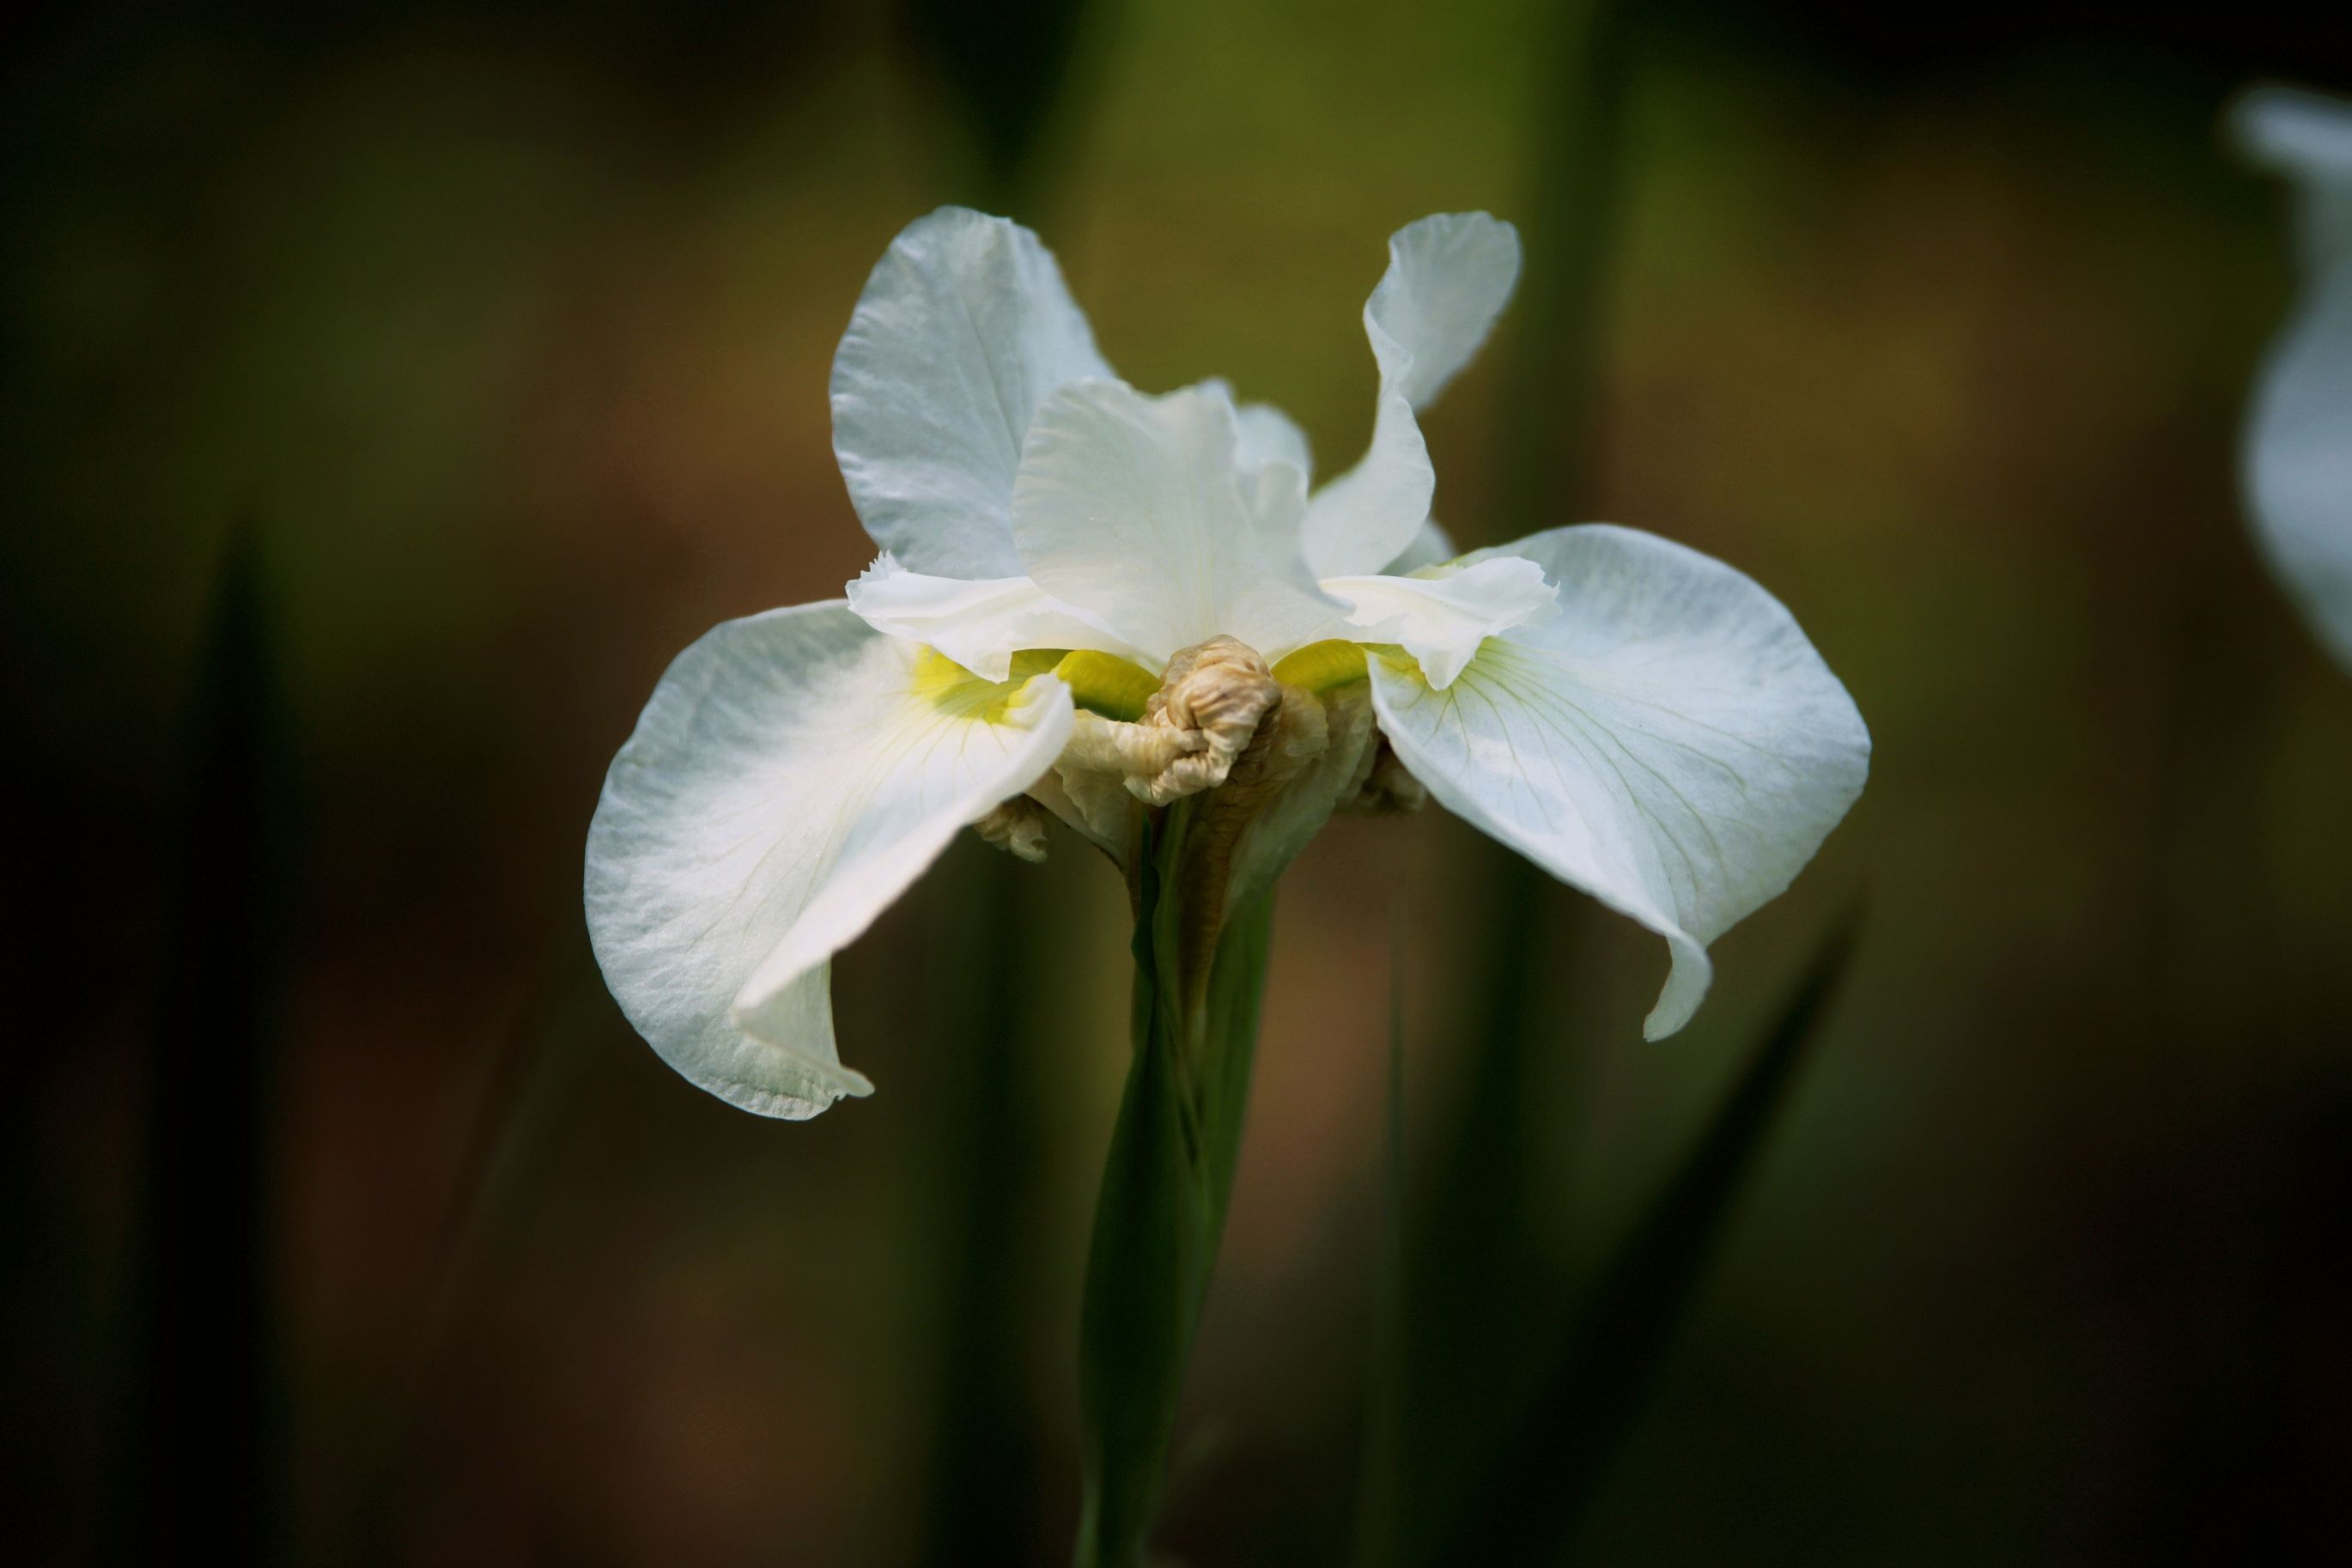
1169 1177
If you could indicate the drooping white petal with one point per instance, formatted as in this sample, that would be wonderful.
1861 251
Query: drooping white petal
1448 278
2297 466
1441 617
1136 511
980 625
964 327
2298 463
791 775
1669 741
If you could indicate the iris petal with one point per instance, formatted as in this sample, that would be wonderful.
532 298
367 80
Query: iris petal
1442 617
980 625
2298 472
964 327
792 773
1138 512
1448 278
1669 741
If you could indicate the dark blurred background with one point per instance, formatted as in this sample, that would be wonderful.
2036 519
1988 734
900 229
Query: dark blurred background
391 390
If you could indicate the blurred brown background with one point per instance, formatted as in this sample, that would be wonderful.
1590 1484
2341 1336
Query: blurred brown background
451 368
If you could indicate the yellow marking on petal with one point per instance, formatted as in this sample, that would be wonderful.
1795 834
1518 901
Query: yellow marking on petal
1321 666
1036 661
951 689
936 672
1106 684
1099 683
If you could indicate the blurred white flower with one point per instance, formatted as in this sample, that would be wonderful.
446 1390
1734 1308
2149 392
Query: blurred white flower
2298 453
1098 602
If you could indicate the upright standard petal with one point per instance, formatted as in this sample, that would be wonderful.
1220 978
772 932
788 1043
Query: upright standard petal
1137 511
1266 433
2297 467
964 327
980 625
1449 277
1669 741
792 773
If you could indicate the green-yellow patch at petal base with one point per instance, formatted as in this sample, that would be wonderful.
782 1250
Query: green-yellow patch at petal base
1321 666
1100 682
951 689
1105 683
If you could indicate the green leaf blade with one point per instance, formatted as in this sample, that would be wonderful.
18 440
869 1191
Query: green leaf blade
1618 1340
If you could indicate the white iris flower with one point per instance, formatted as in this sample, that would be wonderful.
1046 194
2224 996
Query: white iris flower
2298 452
1094 601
